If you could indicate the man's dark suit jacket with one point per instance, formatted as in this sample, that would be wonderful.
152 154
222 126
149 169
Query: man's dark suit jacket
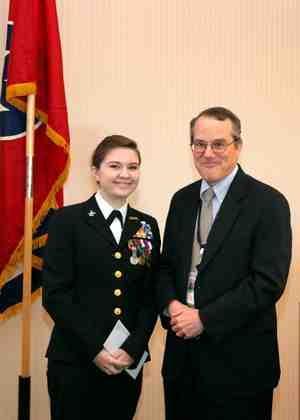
241 276
83 290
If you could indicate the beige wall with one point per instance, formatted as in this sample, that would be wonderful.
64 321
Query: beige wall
144 68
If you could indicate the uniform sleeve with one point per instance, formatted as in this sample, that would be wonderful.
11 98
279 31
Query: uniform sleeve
58 287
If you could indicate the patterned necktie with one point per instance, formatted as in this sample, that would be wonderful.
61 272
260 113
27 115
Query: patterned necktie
113 215
206 216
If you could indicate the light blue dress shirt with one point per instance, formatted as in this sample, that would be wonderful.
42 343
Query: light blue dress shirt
220 189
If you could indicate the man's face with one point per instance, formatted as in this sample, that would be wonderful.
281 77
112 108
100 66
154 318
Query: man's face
213 166
118 174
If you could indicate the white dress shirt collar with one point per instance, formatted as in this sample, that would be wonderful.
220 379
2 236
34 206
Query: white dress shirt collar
106 208
221 187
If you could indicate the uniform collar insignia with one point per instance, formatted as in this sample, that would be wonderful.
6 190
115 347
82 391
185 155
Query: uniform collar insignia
91 213
133 218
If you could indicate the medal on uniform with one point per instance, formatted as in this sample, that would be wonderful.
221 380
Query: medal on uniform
134 258
142 260
140 246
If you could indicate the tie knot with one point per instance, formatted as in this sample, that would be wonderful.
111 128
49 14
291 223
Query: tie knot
207 195
115 214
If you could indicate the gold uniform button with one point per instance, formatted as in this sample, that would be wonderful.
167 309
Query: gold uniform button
117 311
117 292
118 274
118 255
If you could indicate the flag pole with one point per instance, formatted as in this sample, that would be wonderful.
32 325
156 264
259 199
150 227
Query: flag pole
24 378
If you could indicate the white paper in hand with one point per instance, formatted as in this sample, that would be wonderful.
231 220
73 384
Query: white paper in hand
134 372
117 337
115 340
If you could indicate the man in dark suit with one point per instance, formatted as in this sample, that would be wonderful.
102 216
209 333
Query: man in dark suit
225 262
99 268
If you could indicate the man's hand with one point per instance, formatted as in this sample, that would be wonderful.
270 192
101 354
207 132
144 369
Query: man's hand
175 308
108 363
185 321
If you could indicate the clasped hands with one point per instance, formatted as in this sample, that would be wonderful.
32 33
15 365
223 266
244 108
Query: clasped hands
113 363
185 321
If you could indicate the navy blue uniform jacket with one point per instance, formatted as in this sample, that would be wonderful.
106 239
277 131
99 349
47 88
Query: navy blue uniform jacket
89 282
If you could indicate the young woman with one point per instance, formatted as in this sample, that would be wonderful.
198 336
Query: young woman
99 268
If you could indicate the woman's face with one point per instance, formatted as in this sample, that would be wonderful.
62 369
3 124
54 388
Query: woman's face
118 174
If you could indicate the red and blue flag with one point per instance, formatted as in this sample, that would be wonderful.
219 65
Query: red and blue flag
32 64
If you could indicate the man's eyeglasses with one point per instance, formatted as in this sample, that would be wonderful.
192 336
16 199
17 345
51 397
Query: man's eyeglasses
217 146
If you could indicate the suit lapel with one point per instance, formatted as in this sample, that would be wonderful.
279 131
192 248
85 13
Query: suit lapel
192 205
94 218
131 226
226 217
